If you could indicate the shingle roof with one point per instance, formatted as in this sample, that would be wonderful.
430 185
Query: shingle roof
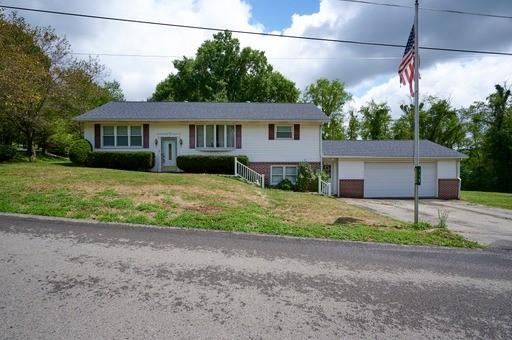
386 148
187 111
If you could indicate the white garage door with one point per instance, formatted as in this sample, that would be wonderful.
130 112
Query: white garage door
396 180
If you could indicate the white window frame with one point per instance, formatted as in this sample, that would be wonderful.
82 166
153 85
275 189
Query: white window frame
115 146
225 128
283 138
284 173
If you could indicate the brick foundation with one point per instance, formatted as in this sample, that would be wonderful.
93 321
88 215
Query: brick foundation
448 188
264 167
351 188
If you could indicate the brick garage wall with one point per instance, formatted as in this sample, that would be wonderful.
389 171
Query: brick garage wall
351 188
448 188
264 167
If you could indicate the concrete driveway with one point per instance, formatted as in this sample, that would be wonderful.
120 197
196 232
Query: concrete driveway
475 222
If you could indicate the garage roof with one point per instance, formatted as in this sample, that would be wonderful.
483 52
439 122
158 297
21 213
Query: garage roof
386 149
202 111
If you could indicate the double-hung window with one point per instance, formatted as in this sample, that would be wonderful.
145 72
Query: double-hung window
284 132
281 172
213 136
122 136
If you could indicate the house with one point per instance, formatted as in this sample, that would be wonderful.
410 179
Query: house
276 137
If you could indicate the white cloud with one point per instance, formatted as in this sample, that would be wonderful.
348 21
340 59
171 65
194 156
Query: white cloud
463 82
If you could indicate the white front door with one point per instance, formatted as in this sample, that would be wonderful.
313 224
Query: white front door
169 152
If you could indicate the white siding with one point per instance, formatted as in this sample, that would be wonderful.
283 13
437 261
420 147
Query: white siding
89 133
255 142
447 169
350 169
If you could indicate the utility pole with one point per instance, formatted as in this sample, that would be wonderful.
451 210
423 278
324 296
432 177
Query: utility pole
417 169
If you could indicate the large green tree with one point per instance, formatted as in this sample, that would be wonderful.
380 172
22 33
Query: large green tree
41 84
439 123
353 126
222 71
331 96
376 121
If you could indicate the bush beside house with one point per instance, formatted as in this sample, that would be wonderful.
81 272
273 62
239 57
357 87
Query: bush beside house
141 160
79 151
210 164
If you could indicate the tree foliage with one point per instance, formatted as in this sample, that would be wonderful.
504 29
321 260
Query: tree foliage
376 121
221 71
42 86
330 96
439 123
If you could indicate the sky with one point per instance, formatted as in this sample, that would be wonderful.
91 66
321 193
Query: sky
369 72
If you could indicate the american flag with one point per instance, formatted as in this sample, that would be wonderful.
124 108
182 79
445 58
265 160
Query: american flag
406 68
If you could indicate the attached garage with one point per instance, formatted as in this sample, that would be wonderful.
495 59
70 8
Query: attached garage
384 169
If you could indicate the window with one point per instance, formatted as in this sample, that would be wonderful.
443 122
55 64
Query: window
108 136
230 136
219 131
135 136
215 136
200 136
122 136
284 132
280 172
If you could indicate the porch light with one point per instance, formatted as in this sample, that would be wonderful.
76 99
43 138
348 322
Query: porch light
156 141
181 142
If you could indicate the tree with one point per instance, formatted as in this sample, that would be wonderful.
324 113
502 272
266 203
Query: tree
42 86
353 126
221 71
498 138
331 96
439 123
376 121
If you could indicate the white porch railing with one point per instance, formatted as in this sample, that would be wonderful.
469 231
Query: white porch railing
324 188
249 174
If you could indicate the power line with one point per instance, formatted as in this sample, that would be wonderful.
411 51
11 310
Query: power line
205 28
452 11
272 58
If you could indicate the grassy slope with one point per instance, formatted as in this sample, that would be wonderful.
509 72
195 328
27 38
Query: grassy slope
204 201
492 199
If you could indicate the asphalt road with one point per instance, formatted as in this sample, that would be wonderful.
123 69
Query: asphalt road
75 280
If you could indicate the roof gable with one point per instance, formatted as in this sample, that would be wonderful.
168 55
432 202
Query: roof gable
386 149
203 111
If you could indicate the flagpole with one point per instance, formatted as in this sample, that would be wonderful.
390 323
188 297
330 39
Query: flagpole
416 114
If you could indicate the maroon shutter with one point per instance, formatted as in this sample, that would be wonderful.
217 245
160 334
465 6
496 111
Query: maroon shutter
97 136
192 136
145 136
238 136
271 135
296 131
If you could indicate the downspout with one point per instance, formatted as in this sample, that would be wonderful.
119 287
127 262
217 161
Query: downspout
321 156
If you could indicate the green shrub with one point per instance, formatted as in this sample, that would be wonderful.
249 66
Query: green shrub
305 177
209 164
285 184
7 152
133 160
79 151
60 144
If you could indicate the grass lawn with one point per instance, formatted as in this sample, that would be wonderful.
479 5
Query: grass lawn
58 188
492 199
